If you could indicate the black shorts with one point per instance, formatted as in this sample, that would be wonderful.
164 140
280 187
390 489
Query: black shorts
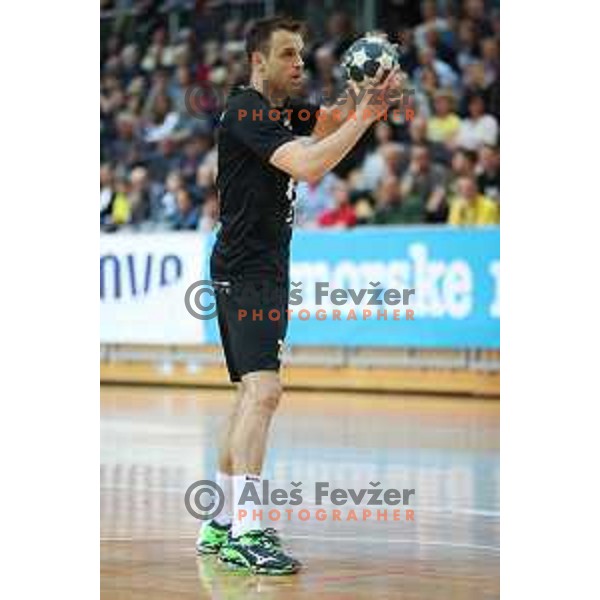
253 322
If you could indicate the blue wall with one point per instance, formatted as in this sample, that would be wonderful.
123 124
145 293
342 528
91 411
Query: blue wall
454 272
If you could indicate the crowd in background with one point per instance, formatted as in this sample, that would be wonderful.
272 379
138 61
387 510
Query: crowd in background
158 153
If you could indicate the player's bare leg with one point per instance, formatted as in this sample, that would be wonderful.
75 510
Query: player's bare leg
262 391
213 534
250 546
225 458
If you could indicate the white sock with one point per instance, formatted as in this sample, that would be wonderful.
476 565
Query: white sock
225 482
244 523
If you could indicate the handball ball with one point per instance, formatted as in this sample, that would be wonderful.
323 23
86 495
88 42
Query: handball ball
362 60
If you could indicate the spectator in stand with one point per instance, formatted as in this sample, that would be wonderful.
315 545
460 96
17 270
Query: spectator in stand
463 165
444 52
159 87
164 158
187 215
478 128
163 120
475 11
432 21
443 126
340 33
424 186
312 200
147 66
373 167
139 196
159 54
325 86
167 208
474 82
445 74
119 211
210 212
194 151
342 215
385 160
467 49
488 172
426 85
107 191
469 207
181 85
391 209
130 68
124 145
490 54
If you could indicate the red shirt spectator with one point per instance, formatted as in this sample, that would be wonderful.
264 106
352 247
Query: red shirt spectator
342 214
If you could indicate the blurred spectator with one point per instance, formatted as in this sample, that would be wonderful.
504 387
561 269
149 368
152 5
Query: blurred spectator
385 159
157 139
424 185
467 49
463 165
340 32
210 212
418 136
187 215
490 53
159 54
475 12
139 196
167 209
118 212
443 126
392 209
342 214
488 172
163 120
313 200
194 152
469 207
432 21
326 85
107 191
444 72
478 128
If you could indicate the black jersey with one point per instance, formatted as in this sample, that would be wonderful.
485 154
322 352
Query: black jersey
256 198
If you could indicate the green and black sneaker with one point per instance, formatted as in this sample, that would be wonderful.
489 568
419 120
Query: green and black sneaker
260 552
211 537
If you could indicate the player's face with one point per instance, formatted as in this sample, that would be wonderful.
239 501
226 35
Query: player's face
283 67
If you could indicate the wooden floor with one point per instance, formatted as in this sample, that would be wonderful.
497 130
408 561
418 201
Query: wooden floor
156 442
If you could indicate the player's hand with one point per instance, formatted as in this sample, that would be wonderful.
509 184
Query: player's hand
377 97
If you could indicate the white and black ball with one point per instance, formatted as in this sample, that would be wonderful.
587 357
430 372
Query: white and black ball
362 60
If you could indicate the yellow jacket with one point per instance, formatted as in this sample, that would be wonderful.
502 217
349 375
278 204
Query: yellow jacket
481 212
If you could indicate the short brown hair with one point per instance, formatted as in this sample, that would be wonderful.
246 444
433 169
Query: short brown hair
259 34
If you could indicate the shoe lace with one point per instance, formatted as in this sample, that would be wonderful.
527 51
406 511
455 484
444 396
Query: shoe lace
267 536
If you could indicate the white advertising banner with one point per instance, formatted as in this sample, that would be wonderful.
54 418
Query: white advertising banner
143 280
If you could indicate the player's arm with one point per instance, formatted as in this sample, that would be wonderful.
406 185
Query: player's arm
331 117
309 159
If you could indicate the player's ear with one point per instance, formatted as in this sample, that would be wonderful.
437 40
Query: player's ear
258 60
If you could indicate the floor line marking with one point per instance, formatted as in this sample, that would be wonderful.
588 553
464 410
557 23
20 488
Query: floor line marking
325 538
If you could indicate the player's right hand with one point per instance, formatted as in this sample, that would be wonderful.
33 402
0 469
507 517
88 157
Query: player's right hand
376 97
